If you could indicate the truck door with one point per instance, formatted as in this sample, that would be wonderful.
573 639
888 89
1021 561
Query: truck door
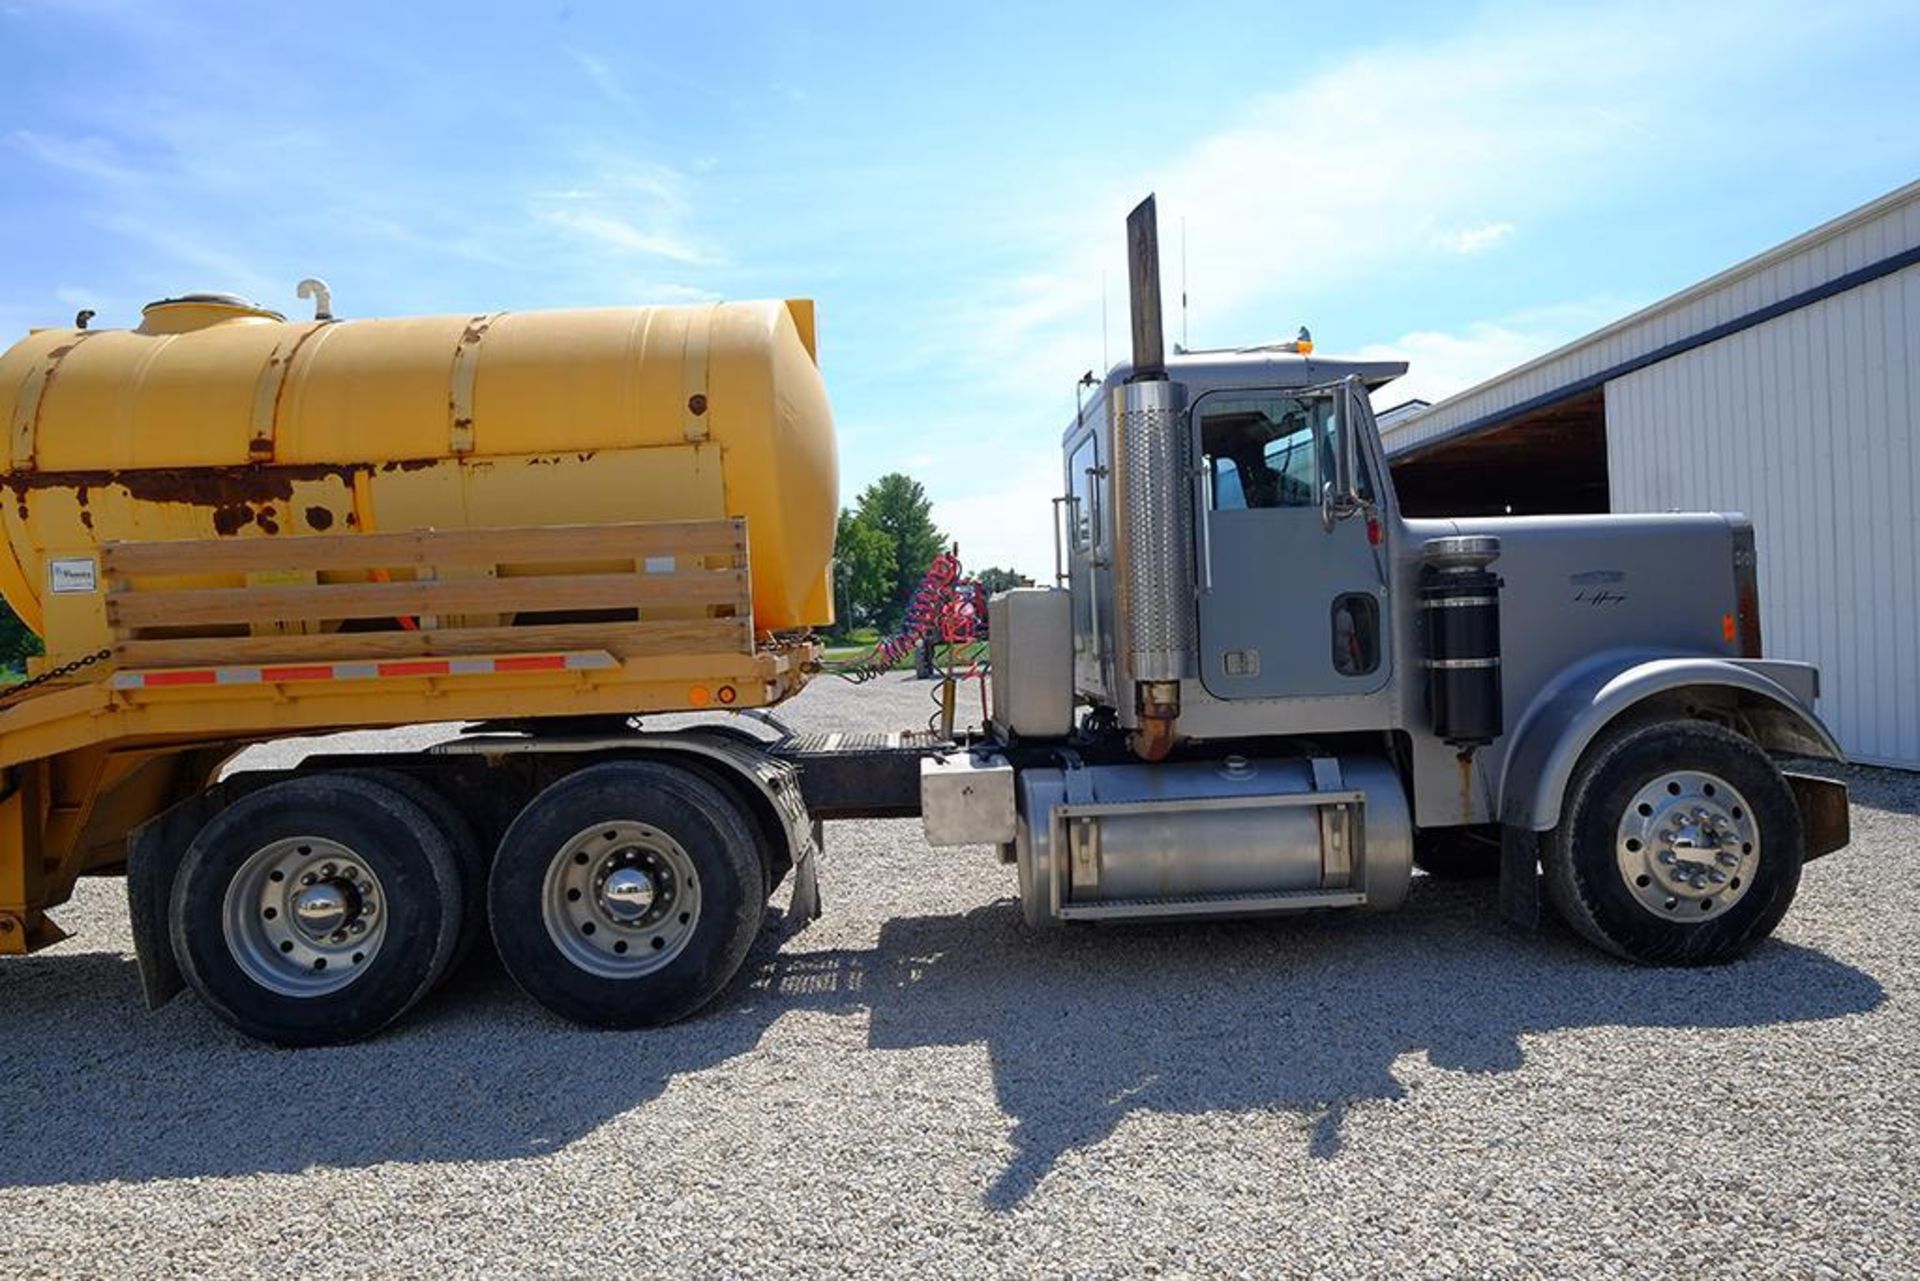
1292 591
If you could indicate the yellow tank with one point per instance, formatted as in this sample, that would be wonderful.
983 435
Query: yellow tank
217 418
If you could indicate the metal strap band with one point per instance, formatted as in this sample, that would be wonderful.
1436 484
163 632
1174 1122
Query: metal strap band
1459 602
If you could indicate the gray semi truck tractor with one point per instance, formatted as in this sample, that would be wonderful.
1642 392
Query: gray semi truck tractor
1258 688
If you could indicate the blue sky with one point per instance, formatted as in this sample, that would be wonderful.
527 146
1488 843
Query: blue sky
1464 185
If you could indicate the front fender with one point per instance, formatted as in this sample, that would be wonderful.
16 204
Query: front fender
1769 700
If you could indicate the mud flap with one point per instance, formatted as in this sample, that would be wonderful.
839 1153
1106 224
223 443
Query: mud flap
153 856
1824 816
805 903
1520 877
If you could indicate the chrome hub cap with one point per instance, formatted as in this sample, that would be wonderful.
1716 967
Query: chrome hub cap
303 916
1687 846
322 908
629 894
621 899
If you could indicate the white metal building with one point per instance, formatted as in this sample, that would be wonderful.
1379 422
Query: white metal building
1788 388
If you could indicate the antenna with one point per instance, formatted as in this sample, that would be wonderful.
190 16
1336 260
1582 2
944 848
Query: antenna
1183 280
1105 363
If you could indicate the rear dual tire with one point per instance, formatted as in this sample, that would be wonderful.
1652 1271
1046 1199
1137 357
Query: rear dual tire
627 894
316 910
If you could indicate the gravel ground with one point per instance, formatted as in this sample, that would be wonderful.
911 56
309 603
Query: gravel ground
915 1084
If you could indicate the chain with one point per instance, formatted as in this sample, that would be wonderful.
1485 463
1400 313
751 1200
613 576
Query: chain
54 674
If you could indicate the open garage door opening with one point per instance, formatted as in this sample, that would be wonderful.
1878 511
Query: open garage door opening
1547 460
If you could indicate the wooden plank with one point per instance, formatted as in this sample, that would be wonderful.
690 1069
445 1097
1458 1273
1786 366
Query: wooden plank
664 638
422 548
213 605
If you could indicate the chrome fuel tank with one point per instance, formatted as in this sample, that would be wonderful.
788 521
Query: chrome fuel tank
1212 838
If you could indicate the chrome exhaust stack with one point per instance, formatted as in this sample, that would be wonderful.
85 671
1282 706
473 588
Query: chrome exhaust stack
1153 570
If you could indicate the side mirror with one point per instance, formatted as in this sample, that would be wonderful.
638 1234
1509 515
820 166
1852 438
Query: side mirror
1340 496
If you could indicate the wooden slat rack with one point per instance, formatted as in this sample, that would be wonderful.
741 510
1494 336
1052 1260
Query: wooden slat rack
641 590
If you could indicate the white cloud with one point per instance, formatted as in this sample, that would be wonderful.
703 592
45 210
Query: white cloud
1004 520
604 78
1441 364
625 207
652 291
1471 240
91 157
614 232
1350 176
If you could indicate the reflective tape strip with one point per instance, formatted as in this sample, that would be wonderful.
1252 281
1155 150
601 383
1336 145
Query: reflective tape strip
391 669
1459 602
1460 664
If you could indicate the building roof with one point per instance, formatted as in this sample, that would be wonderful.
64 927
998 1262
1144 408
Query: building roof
1876 239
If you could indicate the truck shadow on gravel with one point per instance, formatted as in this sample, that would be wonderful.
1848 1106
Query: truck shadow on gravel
1082 1027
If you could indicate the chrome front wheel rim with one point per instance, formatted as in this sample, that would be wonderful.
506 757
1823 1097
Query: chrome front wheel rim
621 899
304 916
1687 846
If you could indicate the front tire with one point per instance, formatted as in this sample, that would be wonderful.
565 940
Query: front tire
627 894
1679 844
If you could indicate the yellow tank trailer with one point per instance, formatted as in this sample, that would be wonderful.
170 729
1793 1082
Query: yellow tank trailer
227 527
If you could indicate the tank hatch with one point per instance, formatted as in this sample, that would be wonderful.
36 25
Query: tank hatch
189 312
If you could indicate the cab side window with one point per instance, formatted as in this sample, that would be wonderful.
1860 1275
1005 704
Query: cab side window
1262 450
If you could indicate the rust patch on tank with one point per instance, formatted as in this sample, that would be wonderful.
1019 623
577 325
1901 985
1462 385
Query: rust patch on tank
238 496
408 464
228 521
319 518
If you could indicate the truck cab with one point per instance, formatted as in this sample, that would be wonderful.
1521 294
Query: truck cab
1256 687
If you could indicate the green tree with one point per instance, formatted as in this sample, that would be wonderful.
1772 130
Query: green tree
17 644
863 571
993 579
898 507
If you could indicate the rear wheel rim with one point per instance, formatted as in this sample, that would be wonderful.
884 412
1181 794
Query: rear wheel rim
621 899
304 916
1687 846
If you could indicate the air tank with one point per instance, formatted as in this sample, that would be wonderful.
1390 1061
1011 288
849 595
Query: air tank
217 418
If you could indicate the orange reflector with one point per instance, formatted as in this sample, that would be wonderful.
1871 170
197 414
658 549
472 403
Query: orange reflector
699 696
1727 628
726 694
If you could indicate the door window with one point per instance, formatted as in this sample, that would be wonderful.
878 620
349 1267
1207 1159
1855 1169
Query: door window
1262 450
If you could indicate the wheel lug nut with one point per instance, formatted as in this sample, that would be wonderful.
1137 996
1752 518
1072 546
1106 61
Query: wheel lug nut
1666 856
327 869
1728 860
309 879
358 927
1718 878
350 873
